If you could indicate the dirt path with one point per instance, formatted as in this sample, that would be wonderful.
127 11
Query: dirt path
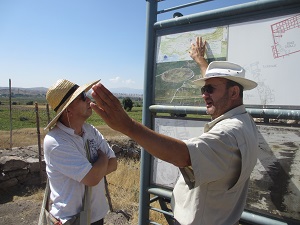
20 205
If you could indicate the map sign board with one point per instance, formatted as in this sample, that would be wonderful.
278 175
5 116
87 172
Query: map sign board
268 49
175 71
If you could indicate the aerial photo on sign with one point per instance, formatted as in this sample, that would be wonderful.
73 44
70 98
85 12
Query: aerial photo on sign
175 69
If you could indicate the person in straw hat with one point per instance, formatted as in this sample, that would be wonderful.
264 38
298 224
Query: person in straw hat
215 166
76 154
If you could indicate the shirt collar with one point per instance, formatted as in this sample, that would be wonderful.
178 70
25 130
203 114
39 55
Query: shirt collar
65 128
235 111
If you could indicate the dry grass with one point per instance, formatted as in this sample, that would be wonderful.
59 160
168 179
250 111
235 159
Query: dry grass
36 194
124 187
21 137
29 136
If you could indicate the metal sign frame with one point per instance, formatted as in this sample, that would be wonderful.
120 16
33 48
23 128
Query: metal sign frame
244 12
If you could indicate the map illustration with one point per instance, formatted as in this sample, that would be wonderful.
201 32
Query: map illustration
175 47
286 36
176 71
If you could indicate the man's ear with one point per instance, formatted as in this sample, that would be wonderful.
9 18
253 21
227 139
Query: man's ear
235 92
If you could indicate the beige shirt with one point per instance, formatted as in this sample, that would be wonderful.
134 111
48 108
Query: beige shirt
223 158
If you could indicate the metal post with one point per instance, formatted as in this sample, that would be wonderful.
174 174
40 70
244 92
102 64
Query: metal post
108 195
48 113
39 138
144 201
10 116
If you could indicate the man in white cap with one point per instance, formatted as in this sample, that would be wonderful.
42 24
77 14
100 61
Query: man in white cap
77 156
220 161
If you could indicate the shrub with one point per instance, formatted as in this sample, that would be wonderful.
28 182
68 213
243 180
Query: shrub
29 103
23 118
127 104
137 104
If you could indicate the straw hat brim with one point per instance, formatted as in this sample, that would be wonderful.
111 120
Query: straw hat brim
60 110
246 83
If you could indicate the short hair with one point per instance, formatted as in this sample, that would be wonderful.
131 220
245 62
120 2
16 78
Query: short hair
231 83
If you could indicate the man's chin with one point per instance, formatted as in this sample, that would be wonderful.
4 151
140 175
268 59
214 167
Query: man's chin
209 111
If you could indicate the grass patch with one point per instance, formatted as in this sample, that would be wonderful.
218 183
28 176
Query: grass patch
135 113
24 116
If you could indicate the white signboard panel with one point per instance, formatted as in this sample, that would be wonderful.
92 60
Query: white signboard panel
275 181
166 174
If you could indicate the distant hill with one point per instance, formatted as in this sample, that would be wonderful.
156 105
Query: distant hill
42 91
127 91
24 91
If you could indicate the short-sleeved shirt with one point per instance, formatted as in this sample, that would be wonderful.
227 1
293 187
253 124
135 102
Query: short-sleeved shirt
67 164
222 158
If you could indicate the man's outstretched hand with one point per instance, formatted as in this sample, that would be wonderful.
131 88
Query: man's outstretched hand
109 108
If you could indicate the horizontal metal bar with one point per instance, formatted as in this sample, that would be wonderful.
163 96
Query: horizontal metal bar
247 216
255 219
154 223
177 109
161 211
161 192
154 199
291 114
255 8
275 113
183 6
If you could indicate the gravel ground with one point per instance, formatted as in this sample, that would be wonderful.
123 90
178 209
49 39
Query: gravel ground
21 206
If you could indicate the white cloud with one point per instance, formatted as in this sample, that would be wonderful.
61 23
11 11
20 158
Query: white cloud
119 80
115 80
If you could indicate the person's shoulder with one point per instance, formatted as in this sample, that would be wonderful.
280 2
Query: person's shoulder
229 125
88 127
55 131
55 135
91 129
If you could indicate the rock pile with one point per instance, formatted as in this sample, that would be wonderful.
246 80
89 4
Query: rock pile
21 166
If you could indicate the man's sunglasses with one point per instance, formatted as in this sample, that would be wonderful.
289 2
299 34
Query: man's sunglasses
83 96
209 88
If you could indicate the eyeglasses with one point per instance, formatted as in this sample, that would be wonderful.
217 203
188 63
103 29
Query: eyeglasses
83 96
209 88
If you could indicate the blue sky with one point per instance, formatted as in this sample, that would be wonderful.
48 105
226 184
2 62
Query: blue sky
42 41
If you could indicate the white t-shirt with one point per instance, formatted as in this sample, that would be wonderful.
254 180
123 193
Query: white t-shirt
223 158
67 164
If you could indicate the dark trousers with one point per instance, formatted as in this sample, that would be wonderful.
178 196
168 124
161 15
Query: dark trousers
99 222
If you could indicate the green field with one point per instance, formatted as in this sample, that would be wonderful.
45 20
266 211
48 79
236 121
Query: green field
24 116
24 113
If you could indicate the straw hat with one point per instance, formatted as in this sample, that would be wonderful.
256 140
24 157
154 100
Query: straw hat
61 94
228 70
